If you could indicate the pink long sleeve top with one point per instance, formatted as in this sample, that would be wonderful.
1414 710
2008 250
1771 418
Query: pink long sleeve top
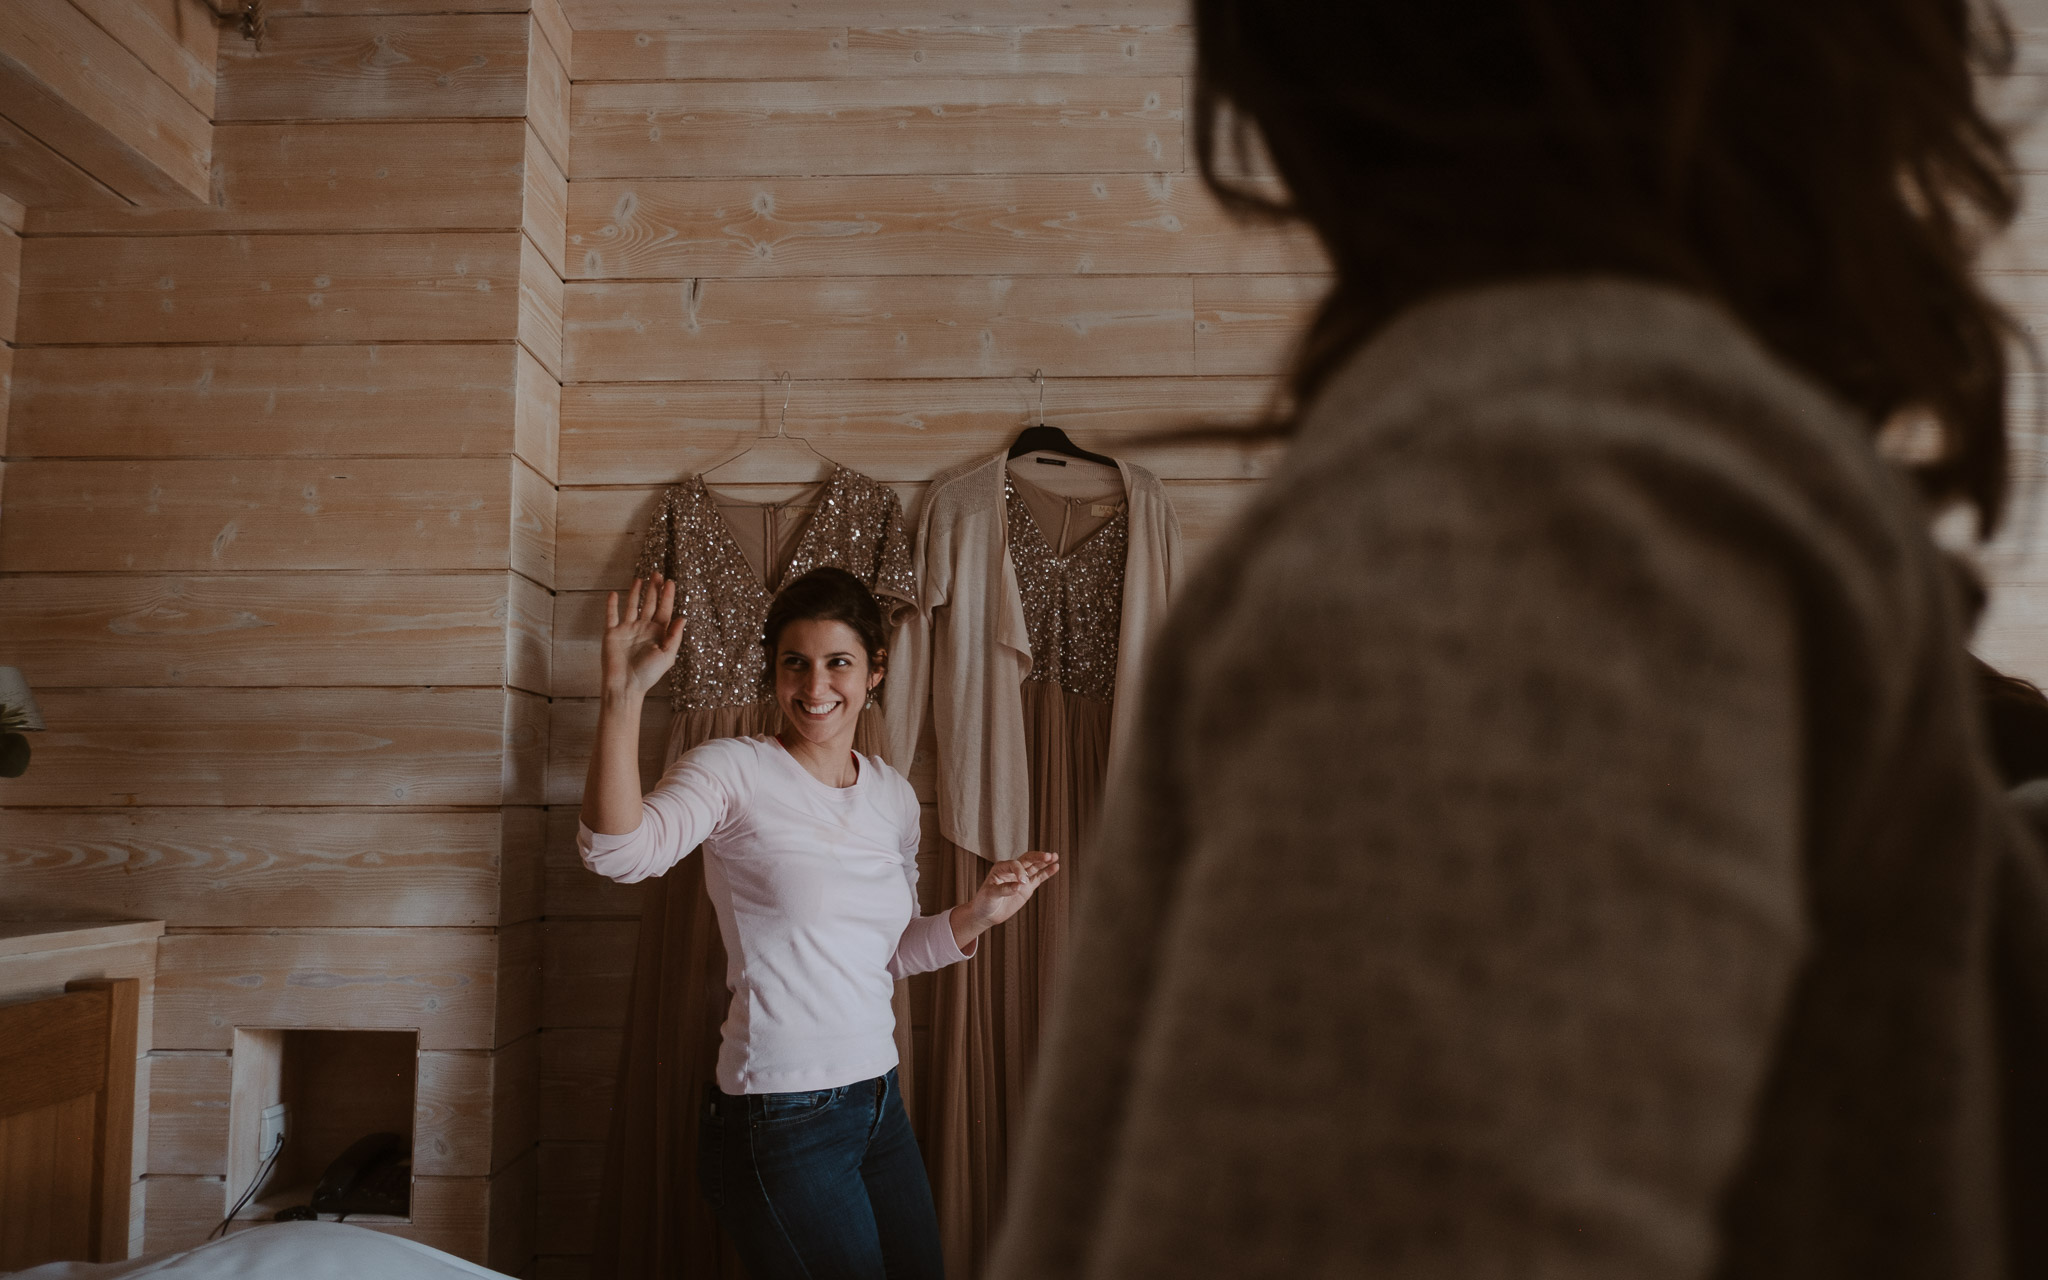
816 893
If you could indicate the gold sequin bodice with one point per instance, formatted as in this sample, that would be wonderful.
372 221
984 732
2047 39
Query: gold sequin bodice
1073 604
856 525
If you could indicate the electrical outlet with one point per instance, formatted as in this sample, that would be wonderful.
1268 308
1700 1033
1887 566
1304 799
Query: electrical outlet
273 1130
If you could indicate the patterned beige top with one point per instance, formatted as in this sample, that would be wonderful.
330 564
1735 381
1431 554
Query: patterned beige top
856 525
1073 603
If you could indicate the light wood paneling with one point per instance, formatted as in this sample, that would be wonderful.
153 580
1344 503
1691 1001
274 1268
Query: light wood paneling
1249 324
397 175
176 39
474 1113
537 417
902 327
521 870
540 307
2013 635
268 514
66 82
821 53
578 1068
553 22
533 525
10 282
1102 224
442 982
451 1114
372 8
515 1101
35 174
1071 124
588 971
578 642
443 65
448 287
284 868
188 1113
573 890
211 402
178 1211
519 981
547 94
526 748
546 208
266 747
530 636
644 14
261 630
572 727
903 431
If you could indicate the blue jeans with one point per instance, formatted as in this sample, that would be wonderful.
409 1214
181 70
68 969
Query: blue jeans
825 1185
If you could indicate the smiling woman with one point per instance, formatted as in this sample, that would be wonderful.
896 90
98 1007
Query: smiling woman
805 1155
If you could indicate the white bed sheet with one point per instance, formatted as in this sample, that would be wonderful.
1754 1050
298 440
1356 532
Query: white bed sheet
282 1251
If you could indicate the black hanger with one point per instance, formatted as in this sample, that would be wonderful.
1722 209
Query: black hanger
1049 439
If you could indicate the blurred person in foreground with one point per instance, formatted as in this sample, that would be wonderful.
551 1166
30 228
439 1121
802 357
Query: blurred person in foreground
1562 841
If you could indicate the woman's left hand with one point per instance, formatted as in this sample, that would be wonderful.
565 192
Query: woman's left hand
1008 886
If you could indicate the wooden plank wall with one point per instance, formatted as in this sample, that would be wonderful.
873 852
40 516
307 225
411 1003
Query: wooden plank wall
908 209
106 102
278 557
2013 635
12 218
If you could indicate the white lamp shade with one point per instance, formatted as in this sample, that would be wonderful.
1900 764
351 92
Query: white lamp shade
14 696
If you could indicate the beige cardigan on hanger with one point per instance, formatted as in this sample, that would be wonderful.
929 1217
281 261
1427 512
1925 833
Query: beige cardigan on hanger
965 650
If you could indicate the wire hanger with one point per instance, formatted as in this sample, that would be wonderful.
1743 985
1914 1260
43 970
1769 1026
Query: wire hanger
777 456
1041 438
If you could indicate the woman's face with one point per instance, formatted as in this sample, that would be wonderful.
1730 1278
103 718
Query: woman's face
822 678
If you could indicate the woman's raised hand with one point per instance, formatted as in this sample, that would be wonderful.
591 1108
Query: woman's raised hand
642 640
1009 885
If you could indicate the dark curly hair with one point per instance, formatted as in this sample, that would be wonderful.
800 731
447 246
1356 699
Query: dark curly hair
826 595
1819 167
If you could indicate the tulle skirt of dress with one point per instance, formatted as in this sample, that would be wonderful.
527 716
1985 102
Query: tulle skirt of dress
987 1014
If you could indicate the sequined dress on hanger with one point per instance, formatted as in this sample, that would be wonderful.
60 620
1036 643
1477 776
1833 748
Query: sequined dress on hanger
987 1016
651 1221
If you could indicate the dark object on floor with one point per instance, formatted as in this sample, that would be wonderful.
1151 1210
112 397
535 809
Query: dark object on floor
372 1176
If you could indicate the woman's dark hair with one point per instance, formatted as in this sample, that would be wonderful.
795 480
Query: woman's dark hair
827 595
1819 167
2016 723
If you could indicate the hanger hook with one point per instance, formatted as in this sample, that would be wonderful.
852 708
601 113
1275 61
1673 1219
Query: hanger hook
1038 376
782 428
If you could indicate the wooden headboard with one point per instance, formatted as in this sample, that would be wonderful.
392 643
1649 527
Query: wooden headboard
67 1119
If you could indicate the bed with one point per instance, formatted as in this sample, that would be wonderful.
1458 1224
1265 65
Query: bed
300 1250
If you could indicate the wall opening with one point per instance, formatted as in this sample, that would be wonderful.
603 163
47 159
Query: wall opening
347 1101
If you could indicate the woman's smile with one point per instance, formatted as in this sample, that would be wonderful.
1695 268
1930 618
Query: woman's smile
822 679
